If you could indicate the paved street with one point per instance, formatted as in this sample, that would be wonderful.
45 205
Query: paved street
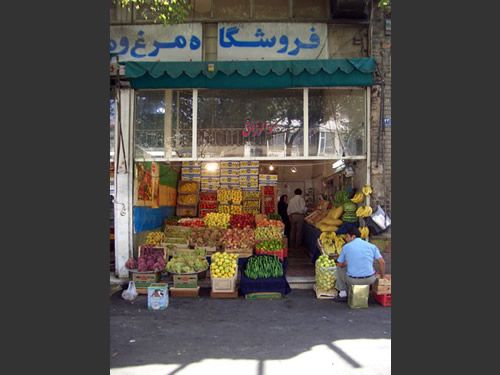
297 334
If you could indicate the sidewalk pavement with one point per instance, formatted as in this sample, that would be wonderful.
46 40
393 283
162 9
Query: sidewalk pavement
296 334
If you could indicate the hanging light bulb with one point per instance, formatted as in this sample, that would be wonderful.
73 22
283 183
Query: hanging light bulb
271 167
293 169
212 167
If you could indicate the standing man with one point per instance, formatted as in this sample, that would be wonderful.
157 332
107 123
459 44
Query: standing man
296 210
355 263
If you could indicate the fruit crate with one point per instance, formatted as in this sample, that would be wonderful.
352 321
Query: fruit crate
384 299
143 280
325 294
280 253
186 211
184 292
225 285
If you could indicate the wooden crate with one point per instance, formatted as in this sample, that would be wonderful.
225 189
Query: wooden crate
383 286
184 292
325 294
227 295
143 280
187 211
188 281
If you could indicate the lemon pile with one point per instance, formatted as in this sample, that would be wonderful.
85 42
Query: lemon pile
223 265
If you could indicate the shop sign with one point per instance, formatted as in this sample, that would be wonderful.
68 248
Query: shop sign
156 42
272 41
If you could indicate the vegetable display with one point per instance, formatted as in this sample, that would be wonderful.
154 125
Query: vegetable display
263 266
223 265
187 263
151 259
270 245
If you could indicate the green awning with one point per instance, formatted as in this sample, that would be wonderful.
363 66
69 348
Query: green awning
251 74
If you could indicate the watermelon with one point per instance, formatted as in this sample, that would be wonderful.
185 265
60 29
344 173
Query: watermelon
350 207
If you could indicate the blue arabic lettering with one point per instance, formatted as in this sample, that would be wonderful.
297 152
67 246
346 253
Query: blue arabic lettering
237 43
284 42
112 45
159 45
124 44
314 38
139 44
180 41
195 43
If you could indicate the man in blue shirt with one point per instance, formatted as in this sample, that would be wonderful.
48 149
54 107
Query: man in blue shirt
355 263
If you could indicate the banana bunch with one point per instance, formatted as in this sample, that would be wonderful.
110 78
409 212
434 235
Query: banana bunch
339 242
367 190
327 236
364 231
358 198
364 211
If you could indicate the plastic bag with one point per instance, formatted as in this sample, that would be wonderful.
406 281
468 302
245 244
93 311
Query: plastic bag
131 293
381 218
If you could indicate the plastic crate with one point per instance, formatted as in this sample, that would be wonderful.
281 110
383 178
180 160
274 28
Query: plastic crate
383 299
279 253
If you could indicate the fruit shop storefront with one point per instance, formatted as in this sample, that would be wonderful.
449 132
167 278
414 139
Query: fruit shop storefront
252 126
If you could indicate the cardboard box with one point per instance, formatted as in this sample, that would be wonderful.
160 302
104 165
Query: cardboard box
186 281
191 170
230 164
249 164
191 177
229 172
249 172
157 296
143 280
191 164
268 177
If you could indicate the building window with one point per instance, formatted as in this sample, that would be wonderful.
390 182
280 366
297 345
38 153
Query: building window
337 121
163 126
250 123
231 9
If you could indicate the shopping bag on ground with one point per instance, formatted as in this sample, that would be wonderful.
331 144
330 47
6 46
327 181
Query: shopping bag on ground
130 293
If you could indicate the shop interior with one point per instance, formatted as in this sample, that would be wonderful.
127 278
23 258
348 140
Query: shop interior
319 180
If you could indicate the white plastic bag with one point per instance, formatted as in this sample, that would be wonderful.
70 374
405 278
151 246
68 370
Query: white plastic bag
381 218
131 293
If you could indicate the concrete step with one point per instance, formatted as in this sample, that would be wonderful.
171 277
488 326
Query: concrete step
301 282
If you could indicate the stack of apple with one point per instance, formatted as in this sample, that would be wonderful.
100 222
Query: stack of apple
242 221
264 222
268 233
217 220
239 238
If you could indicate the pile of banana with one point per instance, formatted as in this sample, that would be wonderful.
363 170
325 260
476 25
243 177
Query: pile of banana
364 211
358 198
367 190
332 244
364 231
